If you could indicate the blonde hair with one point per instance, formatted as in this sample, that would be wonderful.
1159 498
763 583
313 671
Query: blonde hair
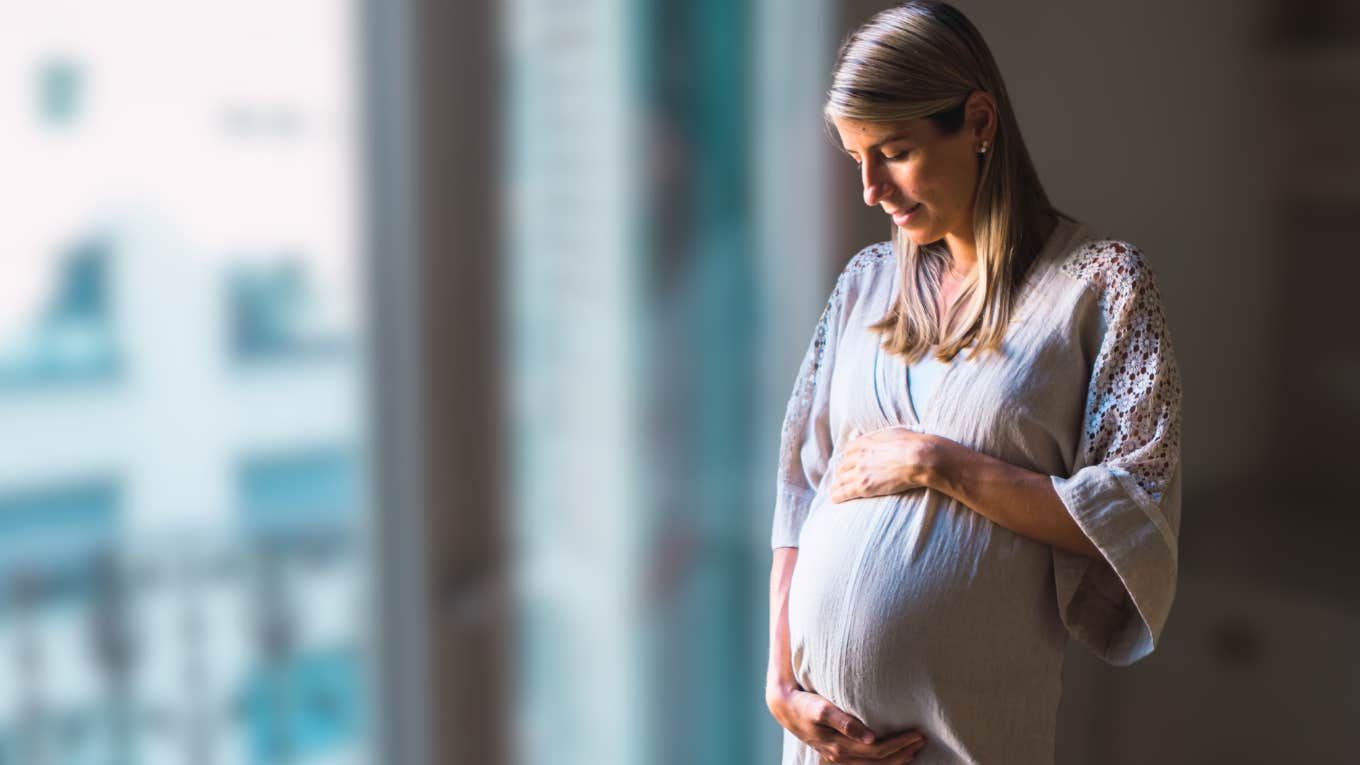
923 59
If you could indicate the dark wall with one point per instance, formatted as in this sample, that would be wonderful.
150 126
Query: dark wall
1211 135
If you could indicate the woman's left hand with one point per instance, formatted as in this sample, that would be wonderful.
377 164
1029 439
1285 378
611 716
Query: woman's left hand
883 462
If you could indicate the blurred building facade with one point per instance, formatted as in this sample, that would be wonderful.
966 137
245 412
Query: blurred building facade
184 562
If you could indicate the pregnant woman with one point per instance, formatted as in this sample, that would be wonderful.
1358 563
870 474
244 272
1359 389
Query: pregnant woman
981 456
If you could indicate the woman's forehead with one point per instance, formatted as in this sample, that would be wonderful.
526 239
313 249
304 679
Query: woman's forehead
870 134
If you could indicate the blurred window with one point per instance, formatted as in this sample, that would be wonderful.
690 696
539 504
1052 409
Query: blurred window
183 506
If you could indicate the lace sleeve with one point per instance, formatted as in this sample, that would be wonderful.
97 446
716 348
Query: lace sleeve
1125 491
805 444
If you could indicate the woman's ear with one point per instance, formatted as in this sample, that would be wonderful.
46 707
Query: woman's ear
980 116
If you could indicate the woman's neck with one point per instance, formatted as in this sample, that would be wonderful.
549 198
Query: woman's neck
963 249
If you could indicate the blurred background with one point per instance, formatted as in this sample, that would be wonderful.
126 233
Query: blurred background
400 381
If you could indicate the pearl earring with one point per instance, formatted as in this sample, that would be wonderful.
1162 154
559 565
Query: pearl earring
983 150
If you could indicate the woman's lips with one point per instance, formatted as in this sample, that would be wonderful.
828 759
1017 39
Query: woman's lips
902 217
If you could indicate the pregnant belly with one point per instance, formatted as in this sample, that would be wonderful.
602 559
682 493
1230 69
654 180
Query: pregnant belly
902 606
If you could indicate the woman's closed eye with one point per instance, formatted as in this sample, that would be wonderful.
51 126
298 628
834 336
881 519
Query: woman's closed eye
889 157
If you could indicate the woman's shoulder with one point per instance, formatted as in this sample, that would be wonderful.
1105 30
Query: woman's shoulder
1106 264
863 268
1119 280
868 259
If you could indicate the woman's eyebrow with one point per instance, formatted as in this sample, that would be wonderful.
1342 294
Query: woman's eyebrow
889 139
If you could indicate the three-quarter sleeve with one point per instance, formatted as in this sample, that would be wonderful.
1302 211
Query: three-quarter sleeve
1125 493
805 443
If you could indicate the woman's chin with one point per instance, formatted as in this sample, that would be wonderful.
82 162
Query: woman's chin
921 237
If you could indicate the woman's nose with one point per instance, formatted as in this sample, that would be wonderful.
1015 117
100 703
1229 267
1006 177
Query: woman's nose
874 188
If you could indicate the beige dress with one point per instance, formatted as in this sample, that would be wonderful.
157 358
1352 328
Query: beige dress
913 611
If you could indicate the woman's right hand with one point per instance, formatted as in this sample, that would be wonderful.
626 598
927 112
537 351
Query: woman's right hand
837 736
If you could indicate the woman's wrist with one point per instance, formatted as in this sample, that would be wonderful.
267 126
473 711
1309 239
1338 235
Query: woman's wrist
936 464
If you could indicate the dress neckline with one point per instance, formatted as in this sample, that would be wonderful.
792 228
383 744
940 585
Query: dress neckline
1063 232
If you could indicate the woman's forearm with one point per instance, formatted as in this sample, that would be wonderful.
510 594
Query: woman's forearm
779 679
1012 497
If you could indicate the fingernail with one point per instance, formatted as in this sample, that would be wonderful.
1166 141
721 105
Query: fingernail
866 738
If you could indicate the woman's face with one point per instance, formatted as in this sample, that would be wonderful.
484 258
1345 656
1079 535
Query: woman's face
924 180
